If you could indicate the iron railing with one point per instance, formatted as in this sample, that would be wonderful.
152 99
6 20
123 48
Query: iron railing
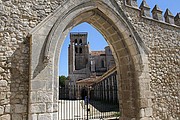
81 103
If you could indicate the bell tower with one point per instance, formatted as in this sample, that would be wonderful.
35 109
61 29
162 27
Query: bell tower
78 51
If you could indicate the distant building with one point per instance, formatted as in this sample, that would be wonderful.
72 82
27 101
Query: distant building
100 88
86 64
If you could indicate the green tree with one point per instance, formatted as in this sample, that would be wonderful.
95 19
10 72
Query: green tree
62 80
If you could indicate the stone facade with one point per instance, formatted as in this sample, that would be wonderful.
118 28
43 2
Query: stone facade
84 63
146 53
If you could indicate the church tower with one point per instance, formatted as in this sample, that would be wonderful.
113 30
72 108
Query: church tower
78 51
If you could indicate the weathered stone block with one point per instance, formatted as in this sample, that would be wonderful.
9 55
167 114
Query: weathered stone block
1 110
33 97
7 109
20 108
145 9
45 116
3 58
148 112
150 103
5 117
169 18
157 13
143 103
141 113
177 19
44 96
17 117
49 86
55 115
34 117
49 107
55 106
1 70
38 108
132 3
144 86
4 101
3 95
38 85
3 83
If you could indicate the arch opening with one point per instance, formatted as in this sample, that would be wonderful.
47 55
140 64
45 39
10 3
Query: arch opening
92 75
123 58
122 41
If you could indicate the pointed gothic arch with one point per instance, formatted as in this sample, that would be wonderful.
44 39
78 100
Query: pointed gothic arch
128 50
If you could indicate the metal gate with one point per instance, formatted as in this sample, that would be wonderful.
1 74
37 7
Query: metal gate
88 104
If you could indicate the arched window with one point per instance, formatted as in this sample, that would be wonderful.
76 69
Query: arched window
102 63
80 50
76 50
75 41
80 41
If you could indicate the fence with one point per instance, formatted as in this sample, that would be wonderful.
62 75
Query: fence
82 103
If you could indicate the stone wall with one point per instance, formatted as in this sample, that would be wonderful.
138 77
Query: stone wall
18 17
162 40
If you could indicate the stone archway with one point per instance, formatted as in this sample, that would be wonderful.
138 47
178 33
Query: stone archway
127 47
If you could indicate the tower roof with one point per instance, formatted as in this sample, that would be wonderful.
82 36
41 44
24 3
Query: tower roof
78 33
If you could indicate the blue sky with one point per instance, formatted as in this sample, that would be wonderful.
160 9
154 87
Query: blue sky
96 40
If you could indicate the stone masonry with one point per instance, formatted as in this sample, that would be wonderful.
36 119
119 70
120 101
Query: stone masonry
17 17
163 40
145 48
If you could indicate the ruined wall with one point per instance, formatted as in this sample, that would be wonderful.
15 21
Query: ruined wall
163 41
17 17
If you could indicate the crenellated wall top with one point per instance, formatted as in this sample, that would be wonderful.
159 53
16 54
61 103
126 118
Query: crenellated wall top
156 12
